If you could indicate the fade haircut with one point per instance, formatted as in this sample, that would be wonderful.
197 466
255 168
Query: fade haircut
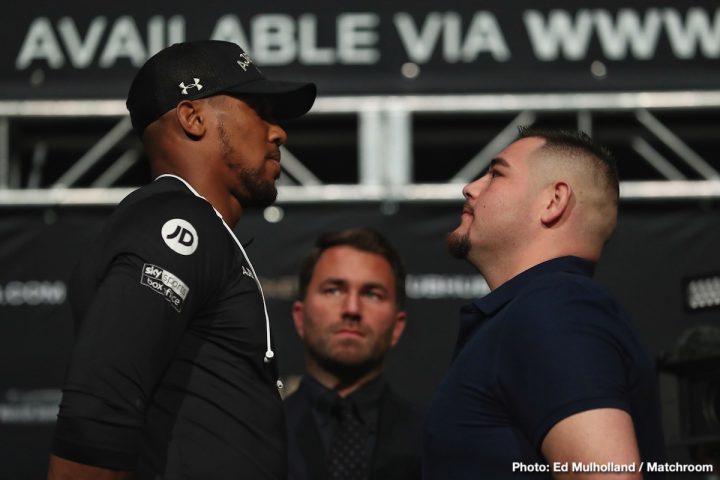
363 239
575 143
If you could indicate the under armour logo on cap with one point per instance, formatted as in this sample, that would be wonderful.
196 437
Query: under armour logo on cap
185 87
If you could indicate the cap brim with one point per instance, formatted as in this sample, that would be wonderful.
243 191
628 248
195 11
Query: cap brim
288 99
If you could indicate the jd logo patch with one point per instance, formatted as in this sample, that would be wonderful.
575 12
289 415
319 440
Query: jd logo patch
180 236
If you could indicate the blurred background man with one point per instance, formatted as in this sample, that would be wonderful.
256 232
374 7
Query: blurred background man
344 421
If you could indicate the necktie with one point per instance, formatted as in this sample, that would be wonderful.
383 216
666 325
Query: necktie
346 458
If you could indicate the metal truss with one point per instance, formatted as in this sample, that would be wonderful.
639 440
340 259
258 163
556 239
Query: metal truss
651 127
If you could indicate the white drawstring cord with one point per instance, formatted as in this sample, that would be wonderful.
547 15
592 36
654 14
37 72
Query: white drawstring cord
269 354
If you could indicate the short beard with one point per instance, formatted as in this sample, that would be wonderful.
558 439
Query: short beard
458 245
255 191
346 373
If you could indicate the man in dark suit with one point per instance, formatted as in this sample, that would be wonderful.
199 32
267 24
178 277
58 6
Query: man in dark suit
344 422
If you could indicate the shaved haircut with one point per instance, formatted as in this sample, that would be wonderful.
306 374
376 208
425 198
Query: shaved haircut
590 164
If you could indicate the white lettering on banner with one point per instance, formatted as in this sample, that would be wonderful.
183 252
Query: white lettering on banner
81 52
356 38
484 35
684 38
419 45
29 406
124 41
273 39
41 42
281 39
310 53
33 293
561 35
628 33
435 286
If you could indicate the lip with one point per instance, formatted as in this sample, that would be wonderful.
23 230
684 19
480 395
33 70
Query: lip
349 332
467 210
275 155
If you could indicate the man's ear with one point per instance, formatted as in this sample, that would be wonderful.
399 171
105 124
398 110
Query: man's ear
192 117
299 318
399 327
557 203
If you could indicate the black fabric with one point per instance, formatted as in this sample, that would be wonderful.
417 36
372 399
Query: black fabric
393 427
545 345
168 365
200 69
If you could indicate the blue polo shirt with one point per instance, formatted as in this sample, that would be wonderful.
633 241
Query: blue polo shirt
547 344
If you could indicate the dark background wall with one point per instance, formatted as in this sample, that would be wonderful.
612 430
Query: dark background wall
655 249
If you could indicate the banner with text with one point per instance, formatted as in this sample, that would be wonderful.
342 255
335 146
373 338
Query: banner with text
70 50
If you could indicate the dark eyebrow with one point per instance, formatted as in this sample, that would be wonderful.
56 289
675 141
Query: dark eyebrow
373 285
499 162
340 282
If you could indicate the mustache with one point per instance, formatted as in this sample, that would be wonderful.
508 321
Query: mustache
274 155
348 326
467 208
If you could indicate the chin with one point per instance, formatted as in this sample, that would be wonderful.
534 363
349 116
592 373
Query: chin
458 244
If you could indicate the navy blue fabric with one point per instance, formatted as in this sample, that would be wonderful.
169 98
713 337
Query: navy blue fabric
547 344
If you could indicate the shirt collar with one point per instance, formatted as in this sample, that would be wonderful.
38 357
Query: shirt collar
366 399
496 299
475 313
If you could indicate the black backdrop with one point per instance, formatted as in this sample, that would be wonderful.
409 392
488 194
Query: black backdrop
655 249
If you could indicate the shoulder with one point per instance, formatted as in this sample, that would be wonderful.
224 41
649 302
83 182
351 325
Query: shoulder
164 227
163 200
563 312
563 297
166 215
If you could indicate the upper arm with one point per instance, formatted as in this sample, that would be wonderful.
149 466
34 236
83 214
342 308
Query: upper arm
560 360
598 436
62 469
131 328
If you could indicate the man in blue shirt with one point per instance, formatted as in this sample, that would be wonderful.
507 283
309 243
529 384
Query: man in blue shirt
548 375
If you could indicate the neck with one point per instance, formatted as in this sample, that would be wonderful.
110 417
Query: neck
228 207
343 385
499 268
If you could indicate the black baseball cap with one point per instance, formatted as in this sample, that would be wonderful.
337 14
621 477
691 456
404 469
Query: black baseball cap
201 69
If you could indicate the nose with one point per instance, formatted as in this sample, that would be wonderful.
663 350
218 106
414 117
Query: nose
276 134
351 307
471 190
